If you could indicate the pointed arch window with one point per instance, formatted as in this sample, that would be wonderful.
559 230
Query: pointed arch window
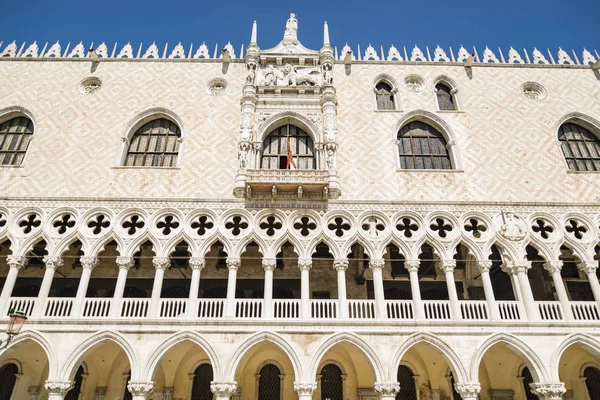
288 147
385 96
269 383
445 97
15 136
332 384
155 144
8 379
592 382
408 390
203 375
580 147
421 146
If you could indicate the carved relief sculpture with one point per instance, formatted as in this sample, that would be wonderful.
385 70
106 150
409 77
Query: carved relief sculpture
512 227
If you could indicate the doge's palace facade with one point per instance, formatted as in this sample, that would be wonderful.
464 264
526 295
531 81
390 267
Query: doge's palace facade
282 223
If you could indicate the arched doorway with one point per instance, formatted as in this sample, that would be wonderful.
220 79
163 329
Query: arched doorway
332 383
579 369
203 376
269 383
8 378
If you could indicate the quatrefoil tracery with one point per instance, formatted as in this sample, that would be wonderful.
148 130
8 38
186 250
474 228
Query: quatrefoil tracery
29 223
236 225
98 224
407 226
338 226
577 229
134 223
305 226
440 226
542 227
2 220
271 225
202 224
64 223
373 226
168 224
476 227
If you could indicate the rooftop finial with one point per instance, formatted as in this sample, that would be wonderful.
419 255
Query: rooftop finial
291 30
253 37
326 34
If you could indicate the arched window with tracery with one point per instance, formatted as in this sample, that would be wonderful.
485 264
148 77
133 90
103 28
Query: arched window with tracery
385 96
592 382
580 147
203 375
527 381
269 383
421 146
332 384
288 147
74 393
445 97
8 378
15 136
154 144
405 377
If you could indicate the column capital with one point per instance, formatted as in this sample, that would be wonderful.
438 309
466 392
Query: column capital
387 389
340 264
140 388
412 265
53 262
548 391
125 262
16 261
58 387
447 265
269 264
223 389
377 263
197 263
161 262
484 266
553 266
34 390
305 264
468 390
233 262
89 262
305 389
588 266
514 267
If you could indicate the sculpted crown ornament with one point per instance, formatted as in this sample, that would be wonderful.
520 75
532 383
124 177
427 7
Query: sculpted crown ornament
161 262
468 390
140 388
387 389
548 391
305 389
58 387
223 389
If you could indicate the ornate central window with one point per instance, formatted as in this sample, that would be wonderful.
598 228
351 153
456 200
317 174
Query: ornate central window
288 147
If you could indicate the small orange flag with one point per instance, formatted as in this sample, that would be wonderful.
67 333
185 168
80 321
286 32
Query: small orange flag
290 164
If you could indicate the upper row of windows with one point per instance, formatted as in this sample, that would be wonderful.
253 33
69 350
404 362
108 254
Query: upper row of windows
420 146
445 96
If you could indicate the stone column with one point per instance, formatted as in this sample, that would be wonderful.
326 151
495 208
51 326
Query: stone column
160 265
341 265
468 391
15 264
376 266
88 264
553 268
268 265
33 392
140 390
51 264
520 268
484 269
588 268
232 265
387 390
305 390
413 270
57 390
223 390
196 264
548 391
448 267
124 264
305 264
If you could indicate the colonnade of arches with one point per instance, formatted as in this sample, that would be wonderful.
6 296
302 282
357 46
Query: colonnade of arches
267 365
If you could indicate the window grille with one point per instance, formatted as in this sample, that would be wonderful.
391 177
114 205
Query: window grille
384 96
445 98
421 146
203 375
527 379
580 147
269 383
15 136
408 391
8 378
331 383
73 394
155 144
275 148
592 382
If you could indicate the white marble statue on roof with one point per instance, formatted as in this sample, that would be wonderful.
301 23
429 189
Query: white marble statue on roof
291 29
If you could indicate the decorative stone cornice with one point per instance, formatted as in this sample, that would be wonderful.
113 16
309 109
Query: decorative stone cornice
161 262
305 264
269 264
548 391
305 389
197 263
125 262
233 263
387 389
588 267
340 264
89 262
140 388
16 261
553 266
53 262
58 387
412 265
223 389
377 263
484 266
469 390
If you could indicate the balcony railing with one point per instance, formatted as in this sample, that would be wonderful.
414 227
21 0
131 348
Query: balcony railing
290 309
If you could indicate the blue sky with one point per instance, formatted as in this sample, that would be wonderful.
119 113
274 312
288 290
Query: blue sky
524 23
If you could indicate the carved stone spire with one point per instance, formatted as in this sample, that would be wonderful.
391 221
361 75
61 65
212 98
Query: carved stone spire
326 35
253 37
